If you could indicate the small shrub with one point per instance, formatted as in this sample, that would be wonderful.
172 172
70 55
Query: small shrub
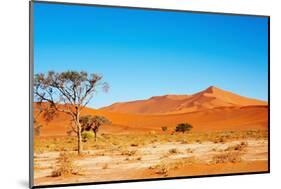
188 150
178 163
128 152
164 128
65 166
161 169
184 142
214 149
229 157
237 147
134 145
219 140
100 154
87 135
173 151
164 156
105 166
164 167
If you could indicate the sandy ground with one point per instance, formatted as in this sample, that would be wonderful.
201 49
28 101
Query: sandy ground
109 165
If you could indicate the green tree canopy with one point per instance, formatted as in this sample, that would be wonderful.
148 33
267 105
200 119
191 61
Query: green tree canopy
183 127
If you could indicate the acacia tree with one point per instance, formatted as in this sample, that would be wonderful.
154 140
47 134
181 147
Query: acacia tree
66 92
93 123
183 127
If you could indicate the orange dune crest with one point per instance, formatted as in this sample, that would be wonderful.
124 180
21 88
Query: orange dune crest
210 110
209 98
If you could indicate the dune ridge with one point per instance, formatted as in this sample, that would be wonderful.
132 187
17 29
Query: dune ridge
212 97
212 109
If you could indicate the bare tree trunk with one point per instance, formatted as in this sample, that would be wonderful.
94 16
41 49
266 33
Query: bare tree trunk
79 139
39 145
79 135
95 136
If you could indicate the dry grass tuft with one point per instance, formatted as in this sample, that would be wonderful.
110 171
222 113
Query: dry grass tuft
227 157
189 150
164 167
220 139
65 166
173 151
237 147
134 145
105 166
128 152
161 168
183 162
184 141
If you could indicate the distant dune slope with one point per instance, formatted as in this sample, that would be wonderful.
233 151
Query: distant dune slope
209 98
217 119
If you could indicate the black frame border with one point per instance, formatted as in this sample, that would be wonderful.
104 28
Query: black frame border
31 73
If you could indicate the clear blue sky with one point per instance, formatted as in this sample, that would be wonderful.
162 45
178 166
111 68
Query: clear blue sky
144 53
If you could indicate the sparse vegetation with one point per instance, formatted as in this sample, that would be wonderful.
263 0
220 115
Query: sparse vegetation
188 150
107 141
134 145
87 135
167 157
65 165
165 166
220 139
161 168
237 147
178 163
105 166
226 157
128 152
173 151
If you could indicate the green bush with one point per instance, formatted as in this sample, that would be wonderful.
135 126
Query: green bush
183 127
87 135
164 128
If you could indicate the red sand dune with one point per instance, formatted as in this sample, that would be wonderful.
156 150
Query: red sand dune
210 110
210 98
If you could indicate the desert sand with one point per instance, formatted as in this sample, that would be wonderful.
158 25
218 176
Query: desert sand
155 161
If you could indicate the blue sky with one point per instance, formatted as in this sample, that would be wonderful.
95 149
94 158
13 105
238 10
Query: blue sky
144 53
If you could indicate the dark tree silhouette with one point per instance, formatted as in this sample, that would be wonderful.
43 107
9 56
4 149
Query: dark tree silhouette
183 127
164 128
66 92
93 123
